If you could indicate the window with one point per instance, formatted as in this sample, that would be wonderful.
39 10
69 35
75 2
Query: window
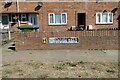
104 18
5 20
57 18
23 18
13 18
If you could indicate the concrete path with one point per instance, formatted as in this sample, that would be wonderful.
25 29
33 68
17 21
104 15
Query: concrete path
60 55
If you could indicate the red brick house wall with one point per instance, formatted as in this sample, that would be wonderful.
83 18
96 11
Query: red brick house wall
71 8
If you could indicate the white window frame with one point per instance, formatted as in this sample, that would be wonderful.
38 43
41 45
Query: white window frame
101 19
54 19
12 19
23 17
49 18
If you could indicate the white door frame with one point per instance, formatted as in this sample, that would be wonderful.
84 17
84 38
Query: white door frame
5 26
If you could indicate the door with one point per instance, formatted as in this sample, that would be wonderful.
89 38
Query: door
4 21
82 20
32 19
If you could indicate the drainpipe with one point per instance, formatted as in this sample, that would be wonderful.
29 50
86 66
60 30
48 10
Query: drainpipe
17 8
75 18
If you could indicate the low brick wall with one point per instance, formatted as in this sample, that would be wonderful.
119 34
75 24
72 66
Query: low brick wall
105 39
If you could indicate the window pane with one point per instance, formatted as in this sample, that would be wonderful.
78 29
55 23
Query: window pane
110 17
63 18
4 20
23 15
34 20
23 19
31 20
104 17
13 18
98 18
51 18
57 18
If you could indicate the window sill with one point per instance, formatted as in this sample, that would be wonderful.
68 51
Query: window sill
23 22
57 24
104 23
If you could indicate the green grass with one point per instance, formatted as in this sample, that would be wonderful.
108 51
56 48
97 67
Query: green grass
6 64
6 42
30 53
17 62
8 72
81 62
118 63
60 66
73 64
21 74
110 71
35 64
42 75
94 68
19 70
4 76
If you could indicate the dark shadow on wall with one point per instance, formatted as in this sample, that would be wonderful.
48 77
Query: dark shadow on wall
13 24
12 47
114 10
118 22
37 8
7 5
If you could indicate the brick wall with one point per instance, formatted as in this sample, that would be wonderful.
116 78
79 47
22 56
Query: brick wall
71 8
105 39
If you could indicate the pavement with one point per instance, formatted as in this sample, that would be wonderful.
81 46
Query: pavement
48 56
